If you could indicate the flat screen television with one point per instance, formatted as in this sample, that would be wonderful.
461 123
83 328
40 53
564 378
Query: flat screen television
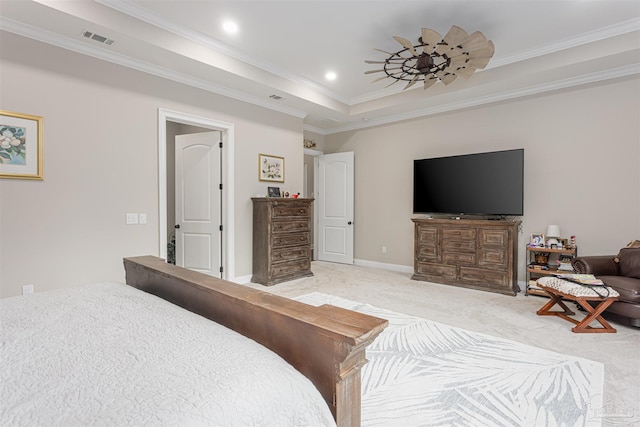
474 184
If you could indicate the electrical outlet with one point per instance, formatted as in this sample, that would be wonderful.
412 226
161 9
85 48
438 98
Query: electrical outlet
384 249
132 218
27 289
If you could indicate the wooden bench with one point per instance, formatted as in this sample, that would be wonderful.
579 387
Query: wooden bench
559 290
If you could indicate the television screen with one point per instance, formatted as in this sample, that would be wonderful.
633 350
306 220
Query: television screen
474 184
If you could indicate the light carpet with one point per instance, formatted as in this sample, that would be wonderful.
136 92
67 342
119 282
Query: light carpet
422 372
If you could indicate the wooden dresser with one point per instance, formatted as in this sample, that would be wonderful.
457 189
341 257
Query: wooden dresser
477 254
281 239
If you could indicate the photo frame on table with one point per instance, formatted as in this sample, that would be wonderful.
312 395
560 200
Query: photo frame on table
270 168
537 240
273 191
21 146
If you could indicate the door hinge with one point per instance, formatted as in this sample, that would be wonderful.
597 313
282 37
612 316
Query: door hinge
220 144
221 269
221 186
220 227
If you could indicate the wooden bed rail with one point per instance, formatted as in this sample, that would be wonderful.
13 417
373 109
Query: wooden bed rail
326 344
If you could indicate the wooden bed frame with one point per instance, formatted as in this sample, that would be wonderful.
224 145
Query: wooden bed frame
326 344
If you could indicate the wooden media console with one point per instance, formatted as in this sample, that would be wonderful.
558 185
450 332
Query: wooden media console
471 253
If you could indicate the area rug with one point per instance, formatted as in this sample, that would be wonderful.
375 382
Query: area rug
425 373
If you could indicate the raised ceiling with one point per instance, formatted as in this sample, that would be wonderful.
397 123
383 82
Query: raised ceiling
285 48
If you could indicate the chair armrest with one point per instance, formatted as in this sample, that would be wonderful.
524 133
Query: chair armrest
598 265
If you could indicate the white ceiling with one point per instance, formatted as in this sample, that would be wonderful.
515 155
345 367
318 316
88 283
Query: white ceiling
285 48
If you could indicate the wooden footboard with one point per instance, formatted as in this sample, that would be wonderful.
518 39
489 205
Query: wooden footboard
326 344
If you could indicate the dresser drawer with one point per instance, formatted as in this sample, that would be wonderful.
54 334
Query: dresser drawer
493 279
458 233
493 237
290 253
287 210
289 268
293 225
429 252
459 245
436 270
290 239
427 235
493 258
459 258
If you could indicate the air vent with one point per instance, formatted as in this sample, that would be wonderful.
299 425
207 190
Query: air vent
276 97
98 38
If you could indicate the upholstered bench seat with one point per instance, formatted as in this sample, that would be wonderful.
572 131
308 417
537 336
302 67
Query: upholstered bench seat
576 289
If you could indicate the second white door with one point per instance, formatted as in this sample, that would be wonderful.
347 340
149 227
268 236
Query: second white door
335 207
198 202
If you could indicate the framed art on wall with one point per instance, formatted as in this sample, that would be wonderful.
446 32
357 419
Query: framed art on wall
21 150
270 168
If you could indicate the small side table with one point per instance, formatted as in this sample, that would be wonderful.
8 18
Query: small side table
559 289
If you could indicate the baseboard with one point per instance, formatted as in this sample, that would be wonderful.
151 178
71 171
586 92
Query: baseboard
241 280
384 266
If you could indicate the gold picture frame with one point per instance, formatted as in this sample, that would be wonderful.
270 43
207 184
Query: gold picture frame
270 168
21 146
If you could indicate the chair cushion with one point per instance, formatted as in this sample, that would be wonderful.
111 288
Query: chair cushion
629 262
628 287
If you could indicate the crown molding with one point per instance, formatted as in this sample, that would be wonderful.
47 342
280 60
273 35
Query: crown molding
44 36
615 73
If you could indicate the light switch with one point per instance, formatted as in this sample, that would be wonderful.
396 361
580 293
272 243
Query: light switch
132 218
142 218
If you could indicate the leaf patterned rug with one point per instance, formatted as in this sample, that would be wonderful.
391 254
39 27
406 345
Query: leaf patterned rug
425 373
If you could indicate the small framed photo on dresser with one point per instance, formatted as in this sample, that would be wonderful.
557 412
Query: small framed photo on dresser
273 191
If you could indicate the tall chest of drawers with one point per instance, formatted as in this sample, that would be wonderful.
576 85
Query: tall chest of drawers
281 239
477 254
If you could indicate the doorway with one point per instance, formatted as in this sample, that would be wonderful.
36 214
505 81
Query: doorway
168 122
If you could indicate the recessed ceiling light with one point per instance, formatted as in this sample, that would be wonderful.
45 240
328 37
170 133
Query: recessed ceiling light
330 76
230 27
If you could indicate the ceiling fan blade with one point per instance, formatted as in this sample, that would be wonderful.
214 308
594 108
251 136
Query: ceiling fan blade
478 63
453 38
383 69
406 44
475 41
412 82
458 61
379 78
466 72
430 38
485 52
367 61
384 51
429 82
445 77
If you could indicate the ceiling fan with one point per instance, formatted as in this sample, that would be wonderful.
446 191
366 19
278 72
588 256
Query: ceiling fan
435 58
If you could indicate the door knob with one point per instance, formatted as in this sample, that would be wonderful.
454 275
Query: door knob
176 226
349 223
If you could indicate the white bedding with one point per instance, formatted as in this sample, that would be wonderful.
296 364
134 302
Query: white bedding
109 354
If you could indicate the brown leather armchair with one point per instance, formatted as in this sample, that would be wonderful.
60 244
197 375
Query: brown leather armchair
622 273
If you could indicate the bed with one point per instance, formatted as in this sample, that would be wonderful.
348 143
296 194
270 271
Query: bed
113 354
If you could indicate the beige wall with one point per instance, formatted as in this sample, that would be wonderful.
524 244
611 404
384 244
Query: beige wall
101 162
582 156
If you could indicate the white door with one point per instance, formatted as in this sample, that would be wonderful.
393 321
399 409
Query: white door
335 207
198 202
